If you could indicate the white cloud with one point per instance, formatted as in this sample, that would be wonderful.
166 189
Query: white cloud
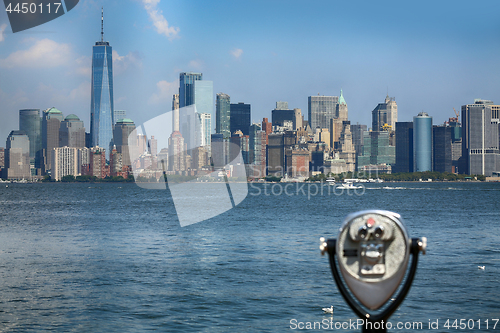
159 21
165 92
196 64
122 63
44 53
83 66
2 31
237 53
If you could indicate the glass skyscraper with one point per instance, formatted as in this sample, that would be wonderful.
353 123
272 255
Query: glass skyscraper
101 107
31 123
222 110
186 88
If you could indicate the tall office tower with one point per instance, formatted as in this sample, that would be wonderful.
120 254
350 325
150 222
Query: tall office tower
376 150
281 105
31 123
257 148
276 155
101 104
17 156
357 137
186 88
240 118
267 127
336 126
341 108
218 158
321 109
64 162
297 119
385 114
176 146
51 124
175 113
122 130
153 146
441 148
346 147
404 147
480 138
72 132
206 125
241 141
119 114
422 142
2 158
222 113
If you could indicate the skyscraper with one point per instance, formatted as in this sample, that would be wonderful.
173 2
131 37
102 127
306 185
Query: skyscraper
480 138
422 142
404 147
442 148
72 132
321 109
101 105
385 114
122 130
186 88
240 118
341 108
51 124
206 125
31 123
17 156
222 110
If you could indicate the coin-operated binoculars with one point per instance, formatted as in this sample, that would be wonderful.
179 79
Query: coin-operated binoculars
373 251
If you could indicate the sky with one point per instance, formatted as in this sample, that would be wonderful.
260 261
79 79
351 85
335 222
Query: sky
432 56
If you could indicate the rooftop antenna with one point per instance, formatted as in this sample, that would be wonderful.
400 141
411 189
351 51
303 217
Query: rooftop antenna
102 24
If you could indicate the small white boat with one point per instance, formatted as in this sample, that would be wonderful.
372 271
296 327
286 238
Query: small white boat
330 181
349 186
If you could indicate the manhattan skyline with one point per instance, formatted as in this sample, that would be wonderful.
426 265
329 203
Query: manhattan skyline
430 57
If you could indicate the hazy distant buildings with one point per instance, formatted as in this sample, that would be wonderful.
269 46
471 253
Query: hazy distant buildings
17 156
404 147
422 142
240 118
102 105
321 109
480 138
385 114
222 113
72 132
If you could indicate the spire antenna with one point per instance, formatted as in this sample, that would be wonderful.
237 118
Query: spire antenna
102 24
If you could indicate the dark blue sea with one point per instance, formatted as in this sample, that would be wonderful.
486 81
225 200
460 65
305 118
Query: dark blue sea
113 258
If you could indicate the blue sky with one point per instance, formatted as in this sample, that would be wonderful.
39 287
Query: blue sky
430 55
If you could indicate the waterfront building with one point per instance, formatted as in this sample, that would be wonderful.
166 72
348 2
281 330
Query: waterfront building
102 105
267 127
72 132
240 118
346 148
83 160
31 123
480 138
422 142
51 124
442 148
321 109
17 156
357 139
219 155
2 158
257 152
64 162
241 141
206 125
123 128
97 163
385 115
404 147
276 154
297 162
222 113
376 150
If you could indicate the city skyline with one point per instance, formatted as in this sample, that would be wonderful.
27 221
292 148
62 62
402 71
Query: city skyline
424 59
